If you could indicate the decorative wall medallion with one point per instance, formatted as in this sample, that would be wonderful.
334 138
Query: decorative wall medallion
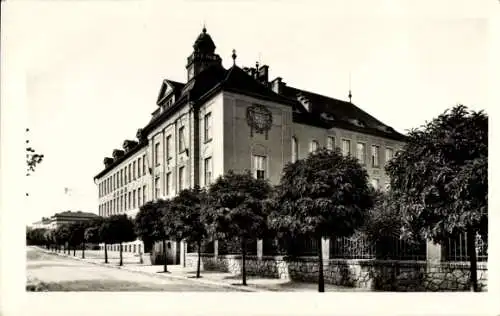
260 119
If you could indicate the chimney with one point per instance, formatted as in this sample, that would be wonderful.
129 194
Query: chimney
277 85
263 74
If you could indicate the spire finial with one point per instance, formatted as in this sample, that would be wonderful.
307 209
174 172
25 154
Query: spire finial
204 27
350 94
234 57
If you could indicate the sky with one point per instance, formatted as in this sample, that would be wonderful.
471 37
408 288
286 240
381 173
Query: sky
91 70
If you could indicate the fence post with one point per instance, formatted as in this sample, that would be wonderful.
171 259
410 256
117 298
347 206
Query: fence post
259 249
183 253
325 248
433 256
216 249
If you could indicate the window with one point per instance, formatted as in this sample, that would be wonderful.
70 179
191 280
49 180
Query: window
134 199
313 146
144 193
157 187
126 179
168 143
130 172
295 149
134 171
181 179
129 200
121 203
346 147
121 178
125 202
375 150
182 145
375 183
389 154
157 154
139 197
143 165
208 126
330 142
208 170
168 184
139 167
259 167
360 152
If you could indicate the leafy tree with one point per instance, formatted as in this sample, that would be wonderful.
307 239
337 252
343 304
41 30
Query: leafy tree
62 234
149 225
36 236
106 235
32 159
121 229
77 231
184 218
236 209
441 179
324 195
49 238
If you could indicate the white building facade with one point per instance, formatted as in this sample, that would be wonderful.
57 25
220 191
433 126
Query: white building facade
233 119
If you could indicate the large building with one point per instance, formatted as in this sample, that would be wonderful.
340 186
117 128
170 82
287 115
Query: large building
234 119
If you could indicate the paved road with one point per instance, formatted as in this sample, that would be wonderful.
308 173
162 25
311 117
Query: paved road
65 274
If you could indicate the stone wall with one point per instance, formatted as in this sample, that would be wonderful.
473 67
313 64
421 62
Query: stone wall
377 275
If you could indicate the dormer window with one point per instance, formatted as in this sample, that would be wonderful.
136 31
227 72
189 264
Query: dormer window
357 122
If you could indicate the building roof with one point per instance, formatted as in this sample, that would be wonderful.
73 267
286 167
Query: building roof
75 214
204 43
329 112
308 107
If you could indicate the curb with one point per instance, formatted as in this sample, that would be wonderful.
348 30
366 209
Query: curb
165 276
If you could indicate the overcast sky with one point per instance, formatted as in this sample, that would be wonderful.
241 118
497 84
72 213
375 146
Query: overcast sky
92 69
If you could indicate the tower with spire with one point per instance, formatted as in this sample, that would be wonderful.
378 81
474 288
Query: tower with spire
203 55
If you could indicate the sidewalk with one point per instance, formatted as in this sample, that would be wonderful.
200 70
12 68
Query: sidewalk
224 279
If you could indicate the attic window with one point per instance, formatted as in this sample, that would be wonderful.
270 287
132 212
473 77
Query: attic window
304 101
327 116
384 128
357 122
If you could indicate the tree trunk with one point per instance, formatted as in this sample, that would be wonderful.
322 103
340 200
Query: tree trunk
83 250
121 256
321 279
243 267
164 255
140 257
74 250
199 259
471 246
105 253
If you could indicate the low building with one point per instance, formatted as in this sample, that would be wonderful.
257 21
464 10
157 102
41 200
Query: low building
66 217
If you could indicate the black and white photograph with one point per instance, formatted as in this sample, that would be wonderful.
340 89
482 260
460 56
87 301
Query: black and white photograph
248 148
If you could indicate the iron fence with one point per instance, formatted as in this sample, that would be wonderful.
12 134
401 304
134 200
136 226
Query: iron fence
389 248
456 249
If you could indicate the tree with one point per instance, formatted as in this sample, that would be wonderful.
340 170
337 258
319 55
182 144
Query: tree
77 231
32 158
441 179
121 230
62 234
149 225
184 219
236 209
106 235
324 195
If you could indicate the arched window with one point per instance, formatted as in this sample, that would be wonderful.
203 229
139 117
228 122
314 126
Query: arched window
313 146
295 149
